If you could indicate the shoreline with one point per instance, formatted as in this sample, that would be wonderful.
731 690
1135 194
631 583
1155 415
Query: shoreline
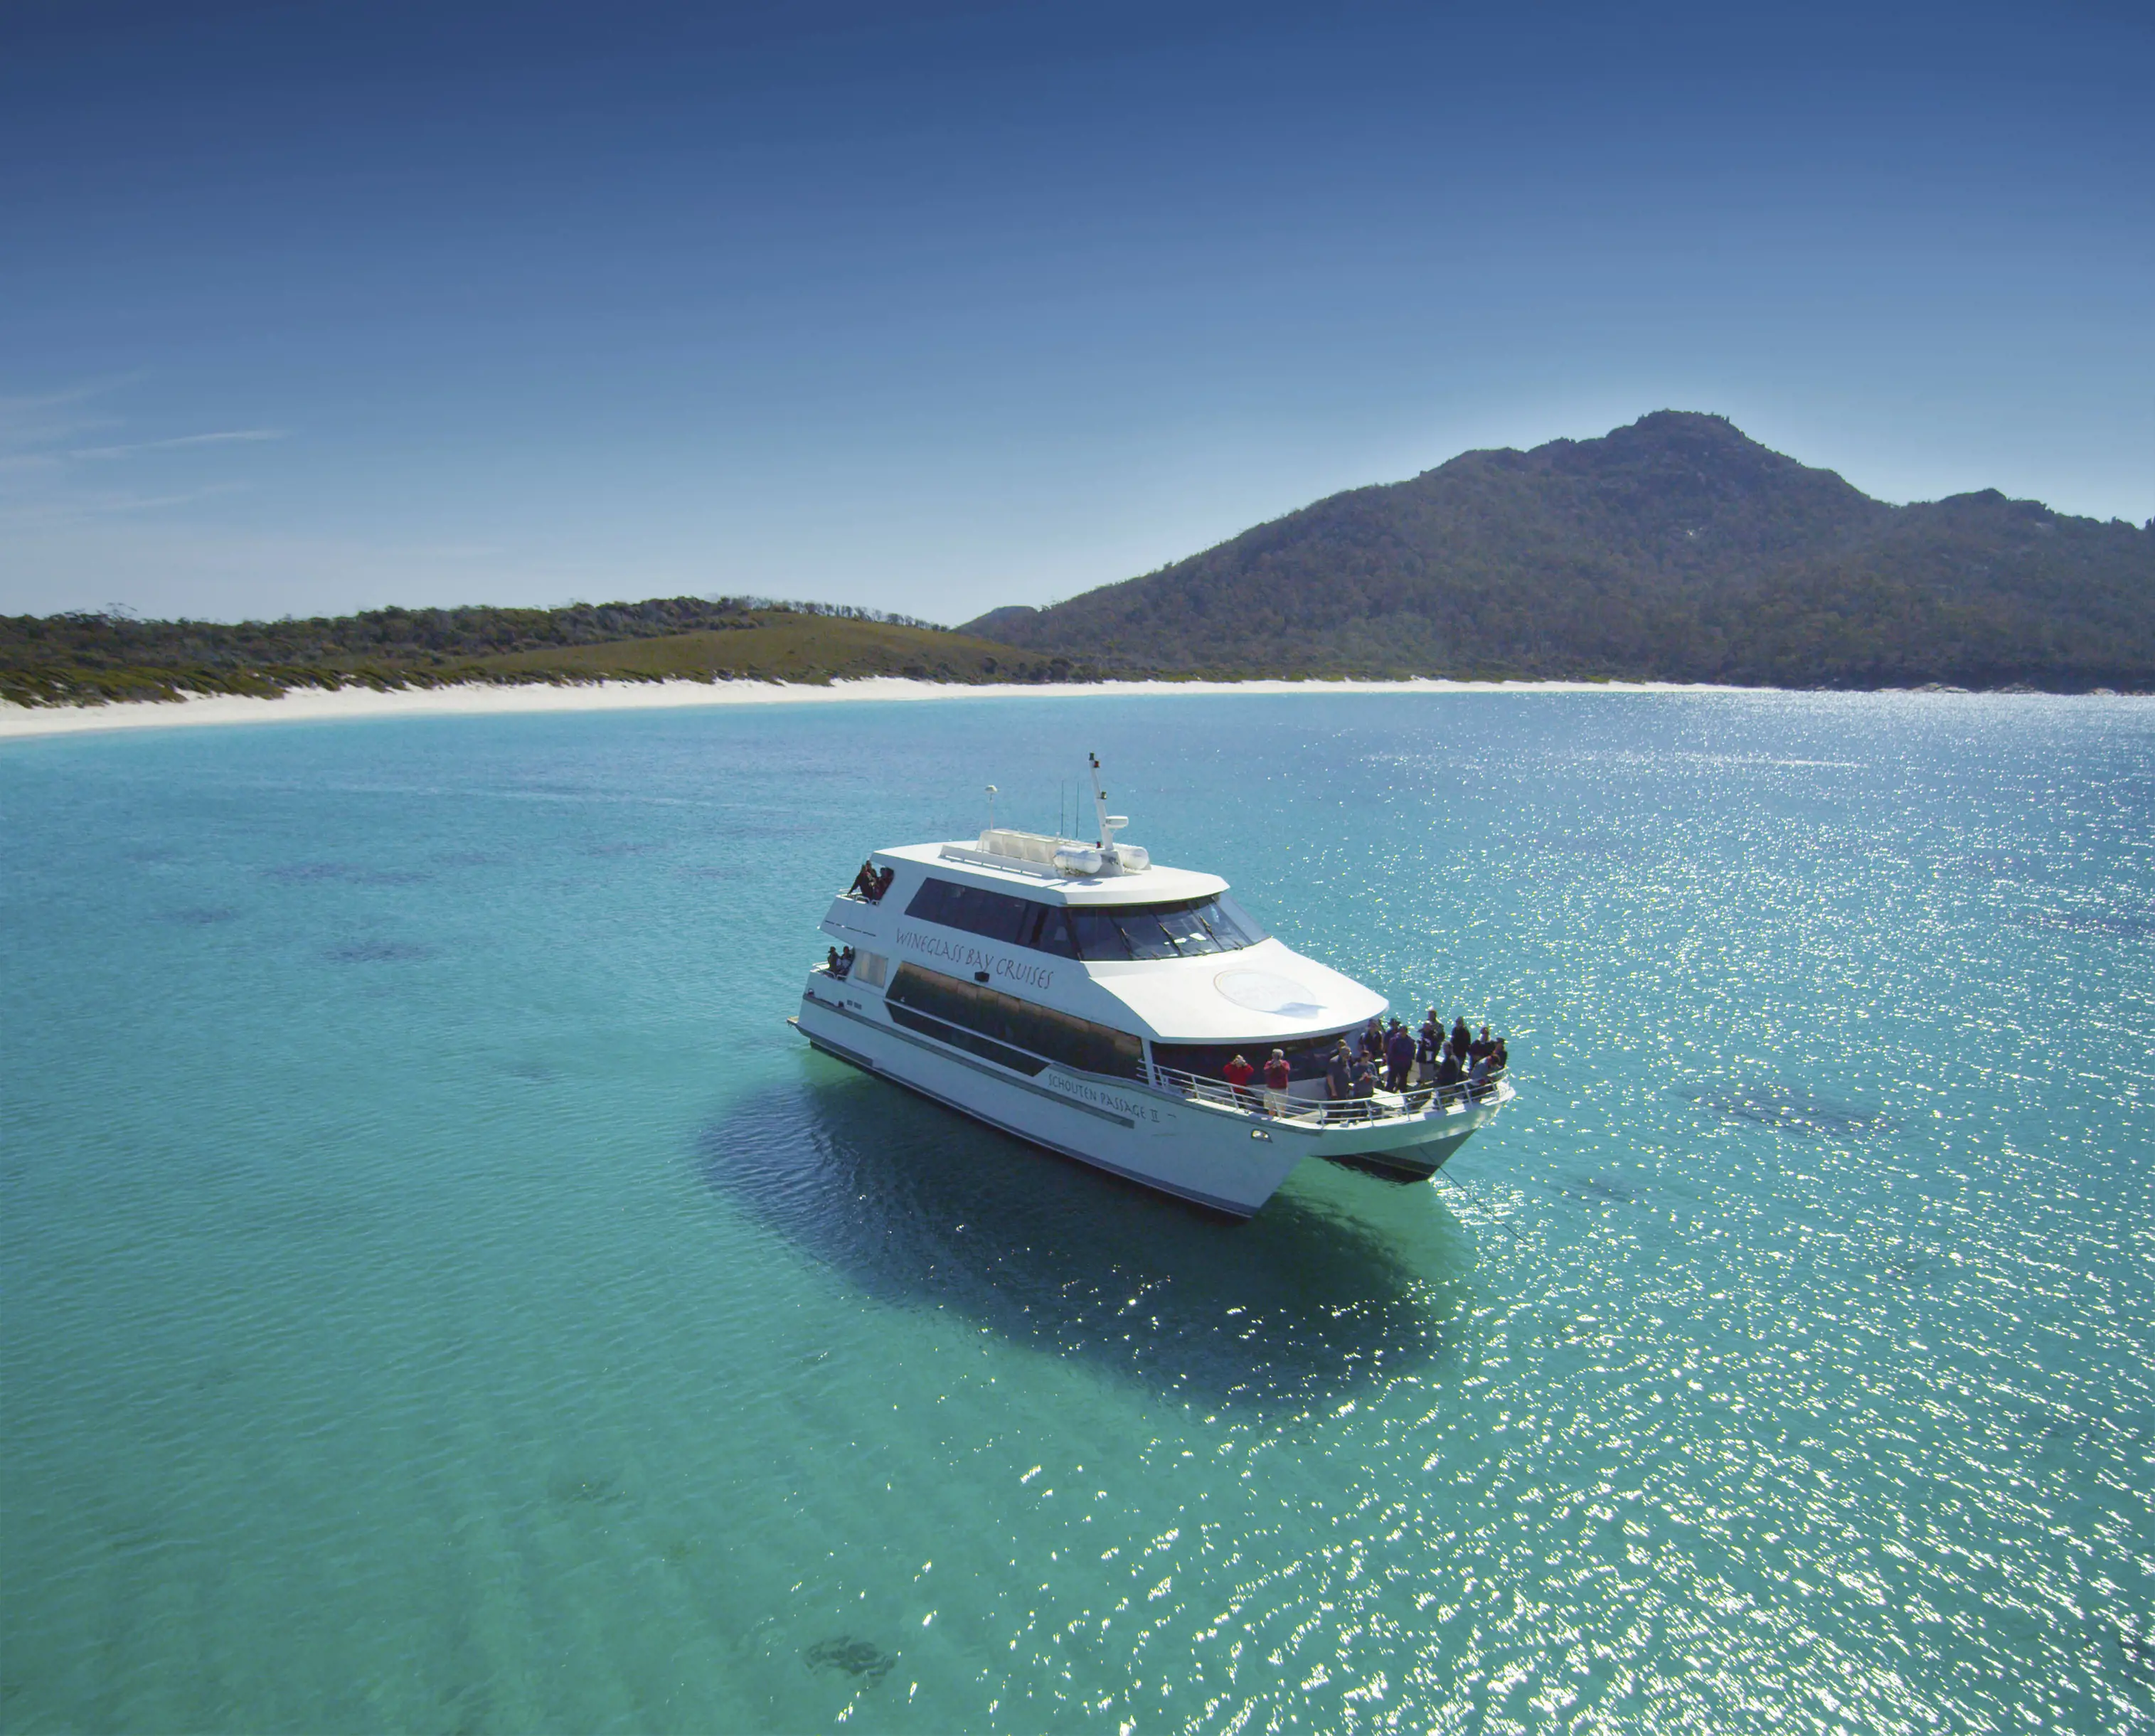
482 700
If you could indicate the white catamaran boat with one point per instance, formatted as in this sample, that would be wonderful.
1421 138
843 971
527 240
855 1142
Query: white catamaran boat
1081 996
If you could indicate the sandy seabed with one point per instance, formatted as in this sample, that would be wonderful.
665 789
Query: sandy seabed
315 705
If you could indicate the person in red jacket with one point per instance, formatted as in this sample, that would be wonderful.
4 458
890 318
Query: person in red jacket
1237 1072
1278 1076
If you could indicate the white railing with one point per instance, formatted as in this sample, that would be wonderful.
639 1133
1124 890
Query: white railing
1253 1098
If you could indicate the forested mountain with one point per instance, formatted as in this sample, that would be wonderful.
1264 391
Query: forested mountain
1675 548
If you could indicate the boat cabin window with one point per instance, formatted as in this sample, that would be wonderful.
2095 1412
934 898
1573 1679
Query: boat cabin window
1017 1034
1179 930
993 915
1182 929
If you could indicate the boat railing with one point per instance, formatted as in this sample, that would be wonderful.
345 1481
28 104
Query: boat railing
1256 1099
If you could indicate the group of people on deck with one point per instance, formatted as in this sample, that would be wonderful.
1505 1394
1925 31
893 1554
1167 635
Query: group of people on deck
1459 1062
1451 1065
871 883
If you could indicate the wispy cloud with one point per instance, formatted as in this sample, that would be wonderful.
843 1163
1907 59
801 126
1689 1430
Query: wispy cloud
45 467
77 506
33 419
219 438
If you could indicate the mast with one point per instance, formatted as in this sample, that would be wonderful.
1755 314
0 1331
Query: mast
1110 824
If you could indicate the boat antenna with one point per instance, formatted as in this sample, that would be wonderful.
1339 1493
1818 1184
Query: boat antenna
991 807
1109 823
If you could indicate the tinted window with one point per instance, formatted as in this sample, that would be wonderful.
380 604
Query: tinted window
1013 1033
1147 935
1050 932
1183 929
931 901
1098 936
1186 930
994 916
991 915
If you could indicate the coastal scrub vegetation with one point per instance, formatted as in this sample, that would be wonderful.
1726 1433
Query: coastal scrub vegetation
92 658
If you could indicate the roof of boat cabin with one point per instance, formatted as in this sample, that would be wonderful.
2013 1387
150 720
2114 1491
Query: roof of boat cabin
1265 993
1153 885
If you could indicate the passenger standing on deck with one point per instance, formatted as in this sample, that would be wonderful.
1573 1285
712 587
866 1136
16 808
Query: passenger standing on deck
1399 1058
1237 1072
1339 1073
1365 1079
1426 1045
1478 1078
1449 1072
1462 1039
1278 1076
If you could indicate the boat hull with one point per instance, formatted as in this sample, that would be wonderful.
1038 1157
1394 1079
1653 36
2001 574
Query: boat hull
1227 1157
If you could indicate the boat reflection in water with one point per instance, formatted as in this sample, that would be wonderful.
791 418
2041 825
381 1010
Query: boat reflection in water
918 1207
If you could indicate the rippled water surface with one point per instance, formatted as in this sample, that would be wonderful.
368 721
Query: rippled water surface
441 1294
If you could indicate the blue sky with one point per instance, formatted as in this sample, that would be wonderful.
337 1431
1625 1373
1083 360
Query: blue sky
311 307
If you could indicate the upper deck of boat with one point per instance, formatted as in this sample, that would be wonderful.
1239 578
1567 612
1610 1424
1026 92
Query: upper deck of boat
965 859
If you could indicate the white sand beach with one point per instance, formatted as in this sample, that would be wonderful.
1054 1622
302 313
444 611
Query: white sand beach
311 705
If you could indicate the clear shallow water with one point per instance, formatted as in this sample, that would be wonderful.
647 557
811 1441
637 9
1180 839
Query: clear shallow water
441 1294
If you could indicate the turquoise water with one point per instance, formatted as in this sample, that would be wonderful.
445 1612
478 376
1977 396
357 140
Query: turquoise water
440 1294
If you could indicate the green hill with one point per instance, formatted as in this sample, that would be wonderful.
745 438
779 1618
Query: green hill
1675 548
87 659
786 648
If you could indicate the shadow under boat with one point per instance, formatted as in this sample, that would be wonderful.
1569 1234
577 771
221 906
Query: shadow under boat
919 1206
